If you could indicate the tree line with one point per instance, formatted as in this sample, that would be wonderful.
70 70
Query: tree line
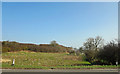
96 52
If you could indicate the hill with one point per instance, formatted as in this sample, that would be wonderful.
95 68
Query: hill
12 46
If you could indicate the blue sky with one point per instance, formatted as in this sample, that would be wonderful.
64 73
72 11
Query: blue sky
68 23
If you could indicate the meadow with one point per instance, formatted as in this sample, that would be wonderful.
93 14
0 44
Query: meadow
38 60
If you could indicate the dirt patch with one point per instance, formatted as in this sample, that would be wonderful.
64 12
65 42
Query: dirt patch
71 57
32 52
26 51
5 60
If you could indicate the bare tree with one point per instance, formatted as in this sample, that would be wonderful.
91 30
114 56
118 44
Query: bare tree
91 46
98 42
94 43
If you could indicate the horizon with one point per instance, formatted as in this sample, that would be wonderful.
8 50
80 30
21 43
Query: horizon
68 23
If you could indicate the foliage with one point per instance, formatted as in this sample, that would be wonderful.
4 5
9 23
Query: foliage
92 46
109 54
8 46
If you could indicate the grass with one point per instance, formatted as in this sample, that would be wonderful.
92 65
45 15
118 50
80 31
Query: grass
86 67
37 60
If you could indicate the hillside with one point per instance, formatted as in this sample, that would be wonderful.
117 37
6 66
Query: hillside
12 46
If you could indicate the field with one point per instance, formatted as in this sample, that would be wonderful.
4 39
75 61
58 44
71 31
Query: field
37 60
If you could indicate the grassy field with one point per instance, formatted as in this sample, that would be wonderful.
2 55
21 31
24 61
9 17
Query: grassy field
37 60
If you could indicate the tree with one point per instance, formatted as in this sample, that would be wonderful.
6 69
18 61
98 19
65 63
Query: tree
54 43
118 53
90 56
98 43
89 44
80 50
109 53
92 46
94 43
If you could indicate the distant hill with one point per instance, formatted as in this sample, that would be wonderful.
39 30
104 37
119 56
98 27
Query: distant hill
11 46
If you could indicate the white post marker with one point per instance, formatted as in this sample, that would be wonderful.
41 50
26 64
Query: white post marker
13 62
116 63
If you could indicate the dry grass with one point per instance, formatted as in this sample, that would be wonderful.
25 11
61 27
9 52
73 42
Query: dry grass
71 58
26 59
22 51
5 60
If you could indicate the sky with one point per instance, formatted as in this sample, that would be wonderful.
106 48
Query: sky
60 0
68 23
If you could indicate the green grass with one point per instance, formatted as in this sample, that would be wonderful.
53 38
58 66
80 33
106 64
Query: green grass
37 60
86 67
